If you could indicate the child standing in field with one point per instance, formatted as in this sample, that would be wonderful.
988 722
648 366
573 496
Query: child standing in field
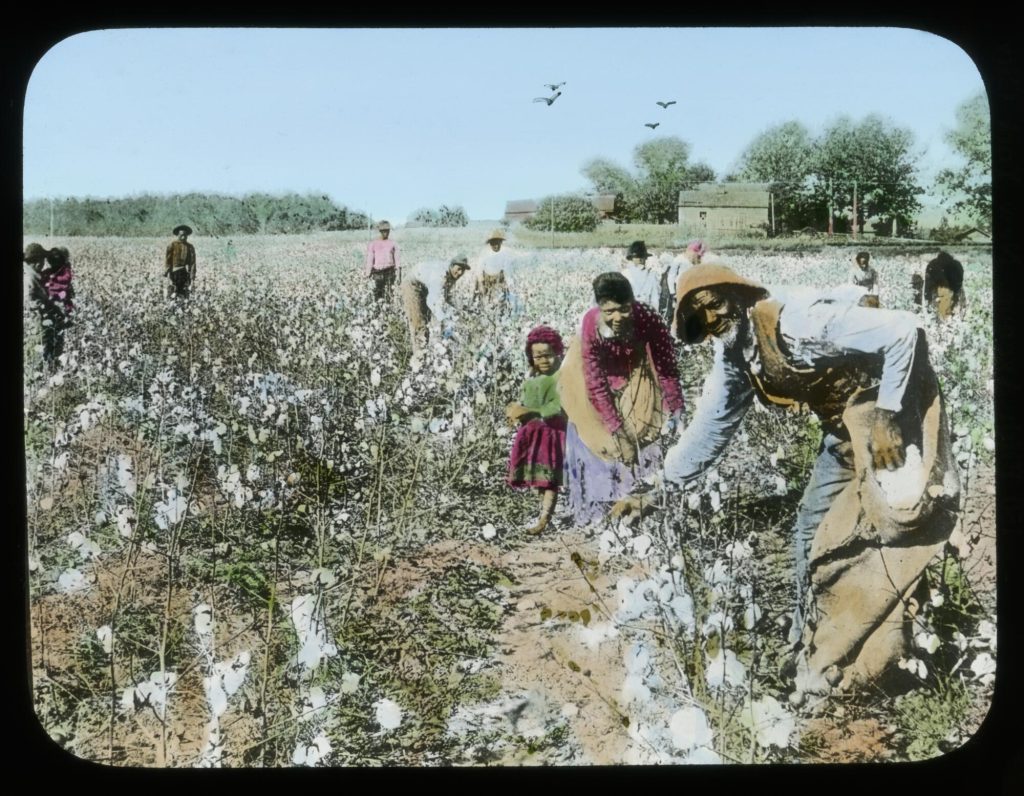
538 451
58 305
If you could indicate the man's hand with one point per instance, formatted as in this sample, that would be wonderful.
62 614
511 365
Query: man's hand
886 442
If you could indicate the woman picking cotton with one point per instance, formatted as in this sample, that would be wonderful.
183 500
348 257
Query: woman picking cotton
619 386
538 451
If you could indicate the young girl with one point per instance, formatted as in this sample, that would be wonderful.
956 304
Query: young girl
539 448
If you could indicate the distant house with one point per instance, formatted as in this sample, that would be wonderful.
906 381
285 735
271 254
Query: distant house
604 203
974 235
726 207
520 209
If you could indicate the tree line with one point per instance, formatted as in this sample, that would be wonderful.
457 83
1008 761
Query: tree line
870 165
208 214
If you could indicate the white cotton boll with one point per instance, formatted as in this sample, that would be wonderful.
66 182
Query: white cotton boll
716 501
773 725
375 377
751 616
313 753
637 658
202 617
388 714
634 690
703 756
349 683
725 668
488 531
903 486
781 488
106 638
929 642
689 729
126 474
71 580
642 546
984 668
252 474
596 633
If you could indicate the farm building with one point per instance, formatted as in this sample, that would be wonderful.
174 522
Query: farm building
520 209
726 207
604 203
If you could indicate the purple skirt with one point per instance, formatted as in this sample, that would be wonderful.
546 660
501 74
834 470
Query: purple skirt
538 454
593 484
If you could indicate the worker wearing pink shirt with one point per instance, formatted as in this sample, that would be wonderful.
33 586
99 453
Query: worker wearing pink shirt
382 263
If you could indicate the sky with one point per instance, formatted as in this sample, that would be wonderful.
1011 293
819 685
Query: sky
387 121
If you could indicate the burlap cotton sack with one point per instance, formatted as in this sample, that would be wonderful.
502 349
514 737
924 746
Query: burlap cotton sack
639 403
867 556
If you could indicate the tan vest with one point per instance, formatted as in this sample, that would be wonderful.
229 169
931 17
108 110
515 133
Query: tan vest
826 388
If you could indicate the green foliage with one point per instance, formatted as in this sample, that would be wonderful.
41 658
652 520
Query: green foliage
807 175
928 716
651 194
444 216
207 214
565 214
970 186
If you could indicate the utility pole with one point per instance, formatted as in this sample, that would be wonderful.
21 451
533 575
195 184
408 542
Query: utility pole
771 210
853 229
51 216
830 210
552 222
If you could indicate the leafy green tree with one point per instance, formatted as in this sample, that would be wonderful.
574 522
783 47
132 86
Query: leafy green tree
443 216
969 187
877 159
783 157
569 213
651 194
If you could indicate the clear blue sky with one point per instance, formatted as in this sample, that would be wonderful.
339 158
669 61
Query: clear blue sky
387 121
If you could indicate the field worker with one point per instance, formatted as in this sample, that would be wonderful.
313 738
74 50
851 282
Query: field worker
55 302
490 287
944 286
619 387
862 274
874 513
180 263
634 268
426 294
382 263
34 259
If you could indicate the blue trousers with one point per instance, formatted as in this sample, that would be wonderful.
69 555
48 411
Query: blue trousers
832 471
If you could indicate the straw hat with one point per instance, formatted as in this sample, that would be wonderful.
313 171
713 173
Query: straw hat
496 235
701 277
182 228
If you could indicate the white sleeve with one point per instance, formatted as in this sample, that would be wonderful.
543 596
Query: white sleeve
891 333
722 405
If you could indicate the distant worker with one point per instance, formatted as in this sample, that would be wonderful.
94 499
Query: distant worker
864 276
50 289
180 263
426 294
491 286
944 286
645 285
382 264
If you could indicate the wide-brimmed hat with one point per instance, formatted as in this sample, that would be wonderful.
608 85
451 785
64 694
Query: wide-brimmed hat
34 253
701 277
496 235
383 225
182 227
460 260
637 251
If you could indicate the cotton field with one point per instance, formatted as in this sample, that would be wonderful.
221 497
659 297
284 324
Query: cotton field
261 534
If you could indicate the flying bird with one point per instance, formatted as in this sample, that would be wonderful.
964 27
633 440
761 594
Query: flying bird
550 99
666 104
554 86
652 125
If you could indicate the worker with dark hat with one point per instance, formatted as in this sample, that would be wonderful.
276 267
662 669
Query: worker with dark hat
180 263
